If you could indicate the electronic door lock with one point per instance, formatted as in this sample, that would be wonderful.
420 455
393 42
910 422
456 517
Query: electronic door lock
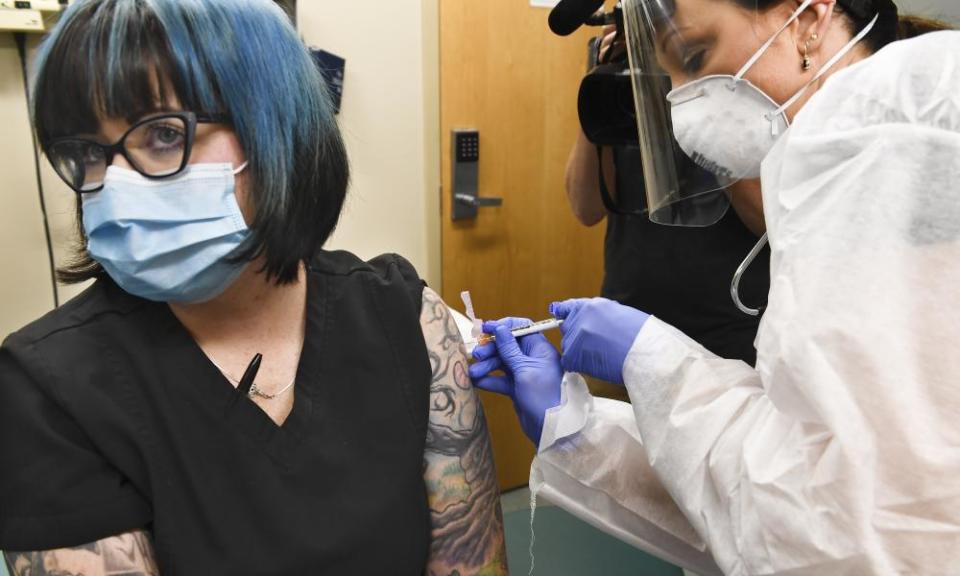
465 162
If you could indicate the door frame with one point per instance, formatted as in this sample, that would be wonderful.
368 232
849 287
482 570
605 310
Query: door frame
430 11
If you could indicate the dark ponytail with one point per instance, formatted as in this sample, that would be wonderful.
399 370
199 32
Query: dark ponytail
890 27
913 26
861 12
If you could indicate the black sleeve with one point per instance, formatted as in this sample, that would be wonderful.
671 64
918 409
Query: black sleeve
397 280
395 264
56 489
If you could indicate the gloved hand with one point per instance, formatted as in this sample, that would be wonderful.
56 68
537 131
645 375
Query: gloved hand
532 372
597 335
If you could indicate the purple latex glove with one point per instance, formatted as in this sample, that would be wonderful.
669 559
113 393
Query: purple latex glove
597 335
532 373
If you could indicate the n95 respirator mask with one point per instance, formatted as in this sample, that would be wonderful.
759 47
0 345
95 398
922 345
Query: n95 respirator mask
727 125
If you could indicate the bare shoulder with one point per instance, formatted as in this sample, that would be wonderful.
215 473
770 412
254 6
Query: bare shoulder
466 521
439 328
129 554
456 415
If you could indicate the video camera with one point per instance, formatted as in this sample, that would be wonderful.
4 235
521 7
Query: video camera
605 102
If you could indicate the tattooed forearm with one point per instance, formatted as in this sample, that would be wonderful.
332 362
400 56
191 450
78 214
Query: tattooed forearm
129 554
459 471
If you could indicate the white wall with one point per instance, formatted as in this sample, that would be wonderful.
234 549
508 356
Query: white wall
390 120
948 10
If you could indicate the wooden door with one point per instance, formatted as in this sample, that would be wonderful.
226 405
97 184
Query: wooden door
504 74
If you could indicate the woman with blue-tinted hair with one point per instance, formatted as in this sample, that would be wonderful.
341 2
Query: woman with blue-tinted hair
227 397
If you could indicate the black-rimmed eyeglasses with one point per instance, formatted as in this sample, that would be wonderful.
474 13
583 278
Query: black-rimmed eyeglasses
157 146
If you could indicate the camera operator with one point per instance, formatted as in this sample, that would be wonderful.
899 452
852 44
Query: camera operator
678 274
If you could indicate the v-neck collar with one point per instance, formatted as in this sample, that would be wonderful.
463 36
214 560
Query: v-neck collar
210 385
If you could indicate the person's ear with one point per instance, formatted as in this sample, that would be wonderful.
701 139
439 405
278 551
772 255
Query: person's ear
811 30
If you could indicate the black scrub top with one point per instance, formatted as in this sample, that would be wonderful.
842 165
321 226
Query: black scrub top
112 419
682 275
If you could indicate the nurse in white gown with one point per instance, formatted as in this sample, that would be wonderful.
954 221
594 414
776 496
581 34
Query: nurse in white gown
840 452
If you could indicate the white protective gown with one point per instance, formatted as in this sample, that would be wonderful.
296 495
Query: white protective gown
840 452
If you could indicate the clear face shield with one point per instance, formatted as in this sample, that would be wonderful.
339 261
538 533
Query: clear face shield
680 192
726 125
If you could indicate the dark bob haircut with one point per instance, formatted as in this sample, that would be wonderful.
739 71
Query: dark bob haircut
242 58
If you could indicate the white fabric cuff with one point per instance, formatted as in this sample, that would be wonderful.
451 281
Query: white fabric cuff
576 404
657 351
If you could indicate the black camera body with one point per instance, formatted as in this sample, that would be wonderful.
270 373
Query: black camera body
606 105
605 102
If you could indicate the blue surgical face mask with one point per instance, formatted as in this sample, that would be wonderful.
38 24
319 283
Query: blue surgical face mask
168 240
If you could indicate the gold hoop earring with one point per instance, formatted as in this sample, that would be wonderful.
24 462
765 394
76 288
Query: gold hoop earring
807 62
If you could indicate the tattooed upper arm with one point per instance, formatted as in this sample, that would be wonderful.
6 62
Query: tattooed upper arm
129 554
467 524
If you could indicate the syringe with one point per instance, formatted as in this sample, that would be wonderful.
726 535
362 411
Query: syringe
535 328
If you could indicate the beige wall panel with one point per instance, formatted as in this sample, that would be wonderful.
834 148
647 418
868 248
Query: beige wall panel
389 120
25 283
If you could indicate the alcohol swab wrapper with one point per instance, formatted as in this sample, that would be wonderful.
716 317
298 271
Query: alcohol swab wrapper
477 329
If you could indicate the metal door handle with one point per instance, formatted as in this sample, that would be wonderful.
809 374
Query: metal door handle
465 174
478 202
